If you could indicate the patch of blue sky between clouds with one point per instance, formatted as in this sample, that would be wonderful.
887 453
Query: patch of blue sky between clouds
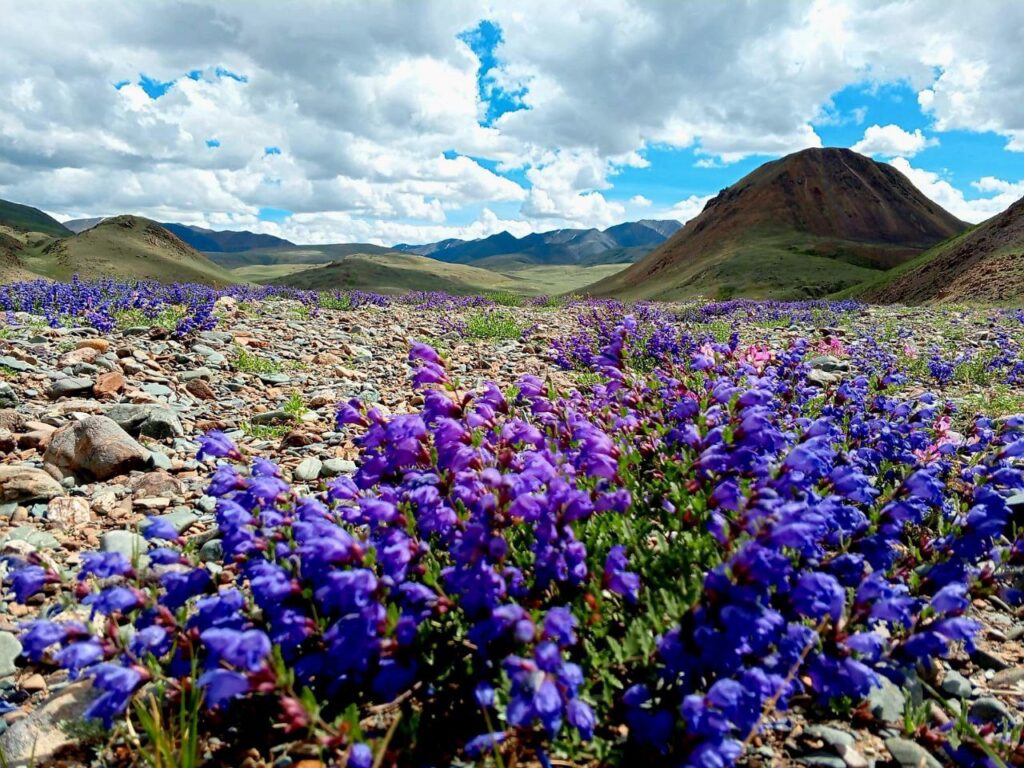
213 143
960 157
277 215
268 151
484 40
152 87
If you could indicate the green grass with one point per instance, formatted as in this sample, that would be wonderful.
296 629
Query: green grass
494 325
264 431
505 298
168 318
295 407
250 362
998 400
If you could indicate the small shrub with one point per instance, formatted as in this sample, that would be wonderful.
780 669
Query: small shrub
250 362
294 406
506 298
494 325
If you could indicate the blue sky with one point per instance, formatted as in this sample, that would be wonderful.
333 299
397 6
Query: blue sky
395 122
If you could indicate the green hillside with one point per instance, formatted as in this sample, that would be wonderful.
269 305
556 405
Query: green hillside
24 218
122 247
402 272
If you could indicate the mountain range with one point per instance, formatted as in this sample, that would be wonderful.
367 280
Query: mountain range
622 243
820 222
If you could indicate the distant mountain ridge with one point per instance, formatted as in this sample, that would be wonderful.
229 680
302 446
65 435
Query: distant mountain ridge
225 241
622 242
812 223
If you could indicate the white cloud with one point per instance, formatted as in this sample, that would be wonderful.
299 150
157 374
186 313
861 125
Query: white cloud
640 201
686 209
892 141
366 100
953 199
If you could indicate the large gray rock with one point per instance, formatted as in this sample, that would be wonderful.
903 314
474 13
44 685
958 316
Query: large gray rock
154 421
21 483
71 385
35 739
94 448
8 399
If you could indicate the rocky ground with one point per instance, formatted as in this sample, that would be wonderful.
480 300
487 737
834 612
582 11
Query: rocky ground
97 432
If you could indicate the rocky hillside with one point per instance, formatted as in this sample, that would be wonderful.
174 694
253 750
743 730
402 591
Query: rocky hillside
984 264
811 223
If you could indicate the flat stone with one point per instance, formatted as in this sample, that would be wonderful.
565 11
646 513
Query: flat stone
275 379
956 685
128 543
34 740
333 467
989 710
71 385
886 702
831 736
157 390
198 373
33 537
910 754
21 483
6 361
1007 677
308 469
821 759
269 418
181 520
10 650
156 421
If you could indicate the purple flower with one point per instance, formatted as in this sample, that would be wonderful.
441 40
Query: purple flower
222 685
217 444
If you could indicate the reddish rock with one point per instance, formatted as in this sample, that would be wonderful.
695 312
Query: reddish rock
100 345
108 384
200 389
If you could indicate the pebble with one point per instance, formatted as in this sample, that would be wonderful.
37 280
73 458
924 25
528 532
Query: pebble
309 469
910 754
10 650
956 685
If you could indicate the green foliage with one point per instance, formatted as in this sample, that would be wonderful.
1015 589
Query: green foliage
250 362
505 298
85 732
173 742
294 406
6 372
339 301
167 318
494 325
264 431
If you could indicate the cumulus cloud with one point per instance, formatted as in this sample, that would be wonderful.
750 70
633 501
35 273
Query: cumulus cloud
892 141
686 209
377 111
999 194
